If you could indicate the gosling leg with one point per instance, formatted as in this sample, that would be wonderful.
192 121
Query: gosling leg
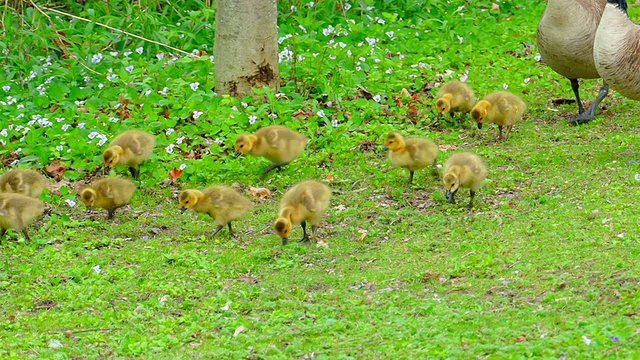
470 204
508 132
461 120
314 228
26 234
233 235
590 113
499 132
217 230
275 166
134 172
110 213
2 231
434 170
410 176
305 236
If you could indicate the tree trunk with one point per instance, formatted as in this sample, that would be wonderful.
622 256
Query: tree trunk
246 46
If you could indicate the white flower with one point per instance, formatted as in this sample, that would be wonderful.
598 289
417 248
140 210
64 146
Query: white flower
169 149
526 80
148 92
65 127
389 34
371 41
196 114
537 57
586 340
332 57
96 269
226 306
163 91
111 77
183 166
252 119
218 141
169 131
334 123
292 8
96 58
100 86
4 132
310 4
5 52
389 71
637 177
93 134
81 125
320 113
180 140
194 86
139 50
244 104
87 79
55 344
59 147
273 116
377 98
460 39
505 86
347 6
129 68
160 56
381 21
6 88
126 53
327 31
113 53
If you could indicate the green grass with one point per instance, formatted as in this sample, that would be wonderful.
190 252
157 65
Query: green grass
549 255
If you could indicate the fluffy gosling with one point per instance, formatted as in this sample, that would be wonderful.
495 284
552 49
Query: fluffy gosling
108 194
23 181
277 143
502 108
463 170
130 148
411 154
223 203
306 201
17 211
455 96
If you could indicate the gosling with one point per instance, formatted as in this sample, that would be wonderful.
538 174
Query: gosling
455 96
17 211
502 108
306 201
411 154
463 170
23 181
130 148
223 203
108 193
277 143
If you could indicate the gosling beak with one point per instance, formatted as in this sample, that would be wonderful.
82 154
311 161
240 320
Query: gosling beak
479 125
89 208
384 148
182 210
106 171
439 116
450 196
235 156
284 241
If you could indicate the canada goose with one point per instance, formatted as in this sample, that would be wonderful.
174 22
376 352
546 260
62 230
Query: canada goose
21 181
223 203
463 170
108 194
304 202
17 211
130 148
616 50
277 143
454 96
411 154
502 108
565 37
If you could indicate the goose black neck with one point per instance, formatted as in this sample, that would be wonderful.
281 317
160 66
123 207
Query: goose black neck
620 4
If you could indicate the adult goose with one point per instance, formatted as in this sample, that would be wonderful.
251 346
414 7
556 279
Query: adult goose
565 37
616 50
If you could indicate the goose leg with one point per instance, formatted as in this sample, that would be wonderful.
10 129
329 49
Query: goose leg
2 231
274 166
590 113
410 176
575 86
470 204
110 213
217 230
305 237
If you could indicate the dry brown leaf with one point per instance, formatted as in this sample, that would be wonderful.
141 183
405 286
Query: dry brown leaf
521 338
55 170
259 193
495 7
329 178
445 147
248 279
238 331
363 234
412 112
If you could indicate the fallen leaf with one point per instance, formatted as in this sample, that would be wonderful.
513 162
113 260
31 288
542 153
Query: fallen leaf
495 7
238 331
175 174
55 170
363 234
412 111
248 279
445 147
330 178
521 338
259 193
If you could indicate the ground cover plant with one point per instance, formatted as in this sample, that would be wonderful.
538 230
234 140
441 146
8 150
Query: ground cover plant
545 265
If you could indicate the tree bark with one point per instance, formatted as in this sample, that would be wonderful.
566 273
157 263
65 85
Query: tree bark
246 46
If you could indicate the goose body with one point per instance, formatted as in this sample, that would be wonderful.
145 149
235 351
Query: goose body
307 201
411 154
463 170
23 181
277 143
130 148
501 108
454 96
108 194
17 211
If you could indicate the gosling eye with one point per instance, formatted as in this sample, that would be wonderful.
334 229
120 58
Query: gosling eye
186 202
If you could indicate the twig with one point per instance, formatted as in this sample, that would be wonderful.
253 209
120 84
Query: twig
80 331
62 46
113 29
468 254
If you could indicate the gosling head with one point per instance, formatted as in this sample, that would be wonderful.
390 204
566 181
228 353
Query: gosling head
111 157
188 199
282 226
393 141
244 144
443 105
479 112
88 197
451 185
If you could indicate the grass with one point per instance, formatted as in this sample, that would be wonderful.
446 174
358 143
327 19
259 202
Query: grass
544 265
